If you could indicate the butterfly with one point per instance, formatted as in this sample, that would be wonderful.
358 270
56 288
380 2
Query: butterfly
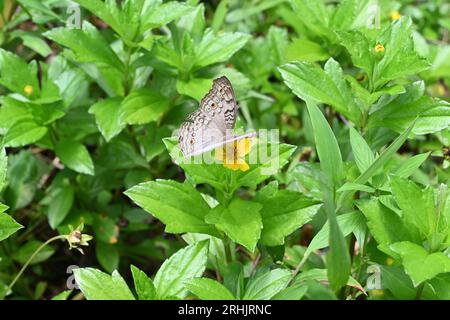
211 125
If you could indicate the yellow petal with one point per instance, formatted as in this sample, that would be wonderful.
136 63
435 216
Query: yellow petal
379 48
243 147
232 166
395 15
28 89
243 166
239 164
220 154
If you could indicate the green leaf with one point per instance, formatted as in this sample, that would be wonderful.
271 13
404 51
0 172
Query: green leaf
87 44
179 206
419 264
310 82
338 257
184 265
360 49
11 112
245 12
70 80
62 295
291 293
217 255
107 116
334 70
219 15
283 213
3 167
314 16
37 44
3 207
270 158
344 15
326 145
143 106
399 58
266 285
408 167
97 285
395 279
23 177
348 223
46 113
144 286
379 162
208 289
362 153
194 88
39 6
162 14
384 224
218 48
28 249
16 74
59 201
321 276
241 221
350 186
75 155
305 50
107 255
107 11
433 115
24 132
417 205
8 225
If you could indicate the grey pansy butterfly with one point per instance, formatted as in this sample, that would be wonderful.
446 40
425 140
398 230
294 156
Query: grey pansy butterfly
211 125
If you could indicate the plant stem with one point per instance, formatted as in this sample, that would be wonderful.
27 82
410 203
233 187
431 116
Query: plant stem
228 255
31 258
420 290
126 77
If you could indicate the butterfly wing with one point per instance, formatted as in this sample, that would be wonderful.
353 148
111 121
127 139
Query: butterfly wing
207 126
220 104
197 133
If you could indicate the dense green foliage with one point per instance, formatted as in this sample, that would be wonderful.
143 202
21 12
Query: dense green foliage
353 205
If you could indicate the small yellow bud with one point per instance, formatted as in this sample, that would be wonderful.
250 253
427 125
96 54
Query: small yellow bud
389 261
395 15
28 89
113 239
379 48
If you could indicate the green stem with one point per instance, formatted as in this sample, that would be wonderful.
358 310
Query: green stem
31 258
228 255
52 135
126 72
420 290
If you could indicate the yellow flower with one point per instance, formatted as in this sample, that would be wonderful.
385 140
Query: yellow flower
233 153
379 48
115 237
28 89
395 15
